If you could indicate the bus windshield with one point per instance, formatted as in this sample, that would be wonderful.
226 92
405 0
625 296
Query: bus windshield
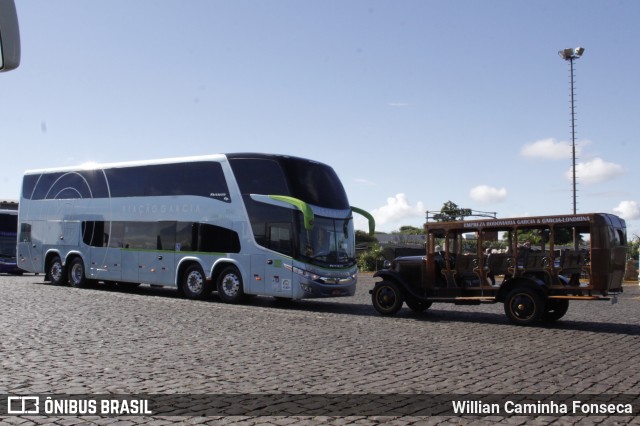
329 244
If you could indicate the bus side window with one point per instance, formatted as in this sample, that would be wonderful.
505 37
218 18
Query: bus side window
217 239
114 234
167 236
280 238
93 233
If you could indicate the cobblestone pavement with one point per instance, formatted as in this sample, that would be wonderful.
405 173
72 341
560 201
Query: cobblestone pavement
61 340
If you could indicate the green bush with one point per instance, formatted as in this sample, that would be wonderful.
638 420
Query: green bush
371 260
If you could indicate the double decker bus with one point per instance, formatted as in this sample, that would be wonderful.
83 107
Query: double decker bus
534 265
238 224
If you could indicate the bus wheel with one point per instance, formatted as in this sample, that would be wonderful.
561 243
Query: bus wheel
523 306
56 271
417 305
387 298
194 283
555 309
230 287
76 273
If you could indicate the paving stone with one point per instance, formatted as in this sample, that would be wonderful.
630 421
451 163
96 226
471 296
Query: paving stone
149 341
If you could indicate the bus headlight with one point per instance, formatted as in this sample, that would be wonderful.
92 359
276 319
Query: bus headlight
321 279
302 272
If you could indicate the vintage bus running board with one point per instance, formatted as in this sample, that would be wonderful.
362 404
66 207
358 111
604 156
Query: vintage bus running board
580 297
472 300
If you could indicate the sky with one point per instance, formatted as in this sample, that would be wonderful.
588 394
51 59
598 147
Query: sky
413 103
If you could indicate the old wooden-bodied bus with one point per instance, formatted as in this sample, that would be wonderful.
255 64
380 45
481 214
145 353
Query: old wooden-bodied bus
534 265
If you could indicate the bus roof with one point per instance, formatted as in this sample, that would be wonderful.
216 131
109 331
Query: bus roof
93 166
172 160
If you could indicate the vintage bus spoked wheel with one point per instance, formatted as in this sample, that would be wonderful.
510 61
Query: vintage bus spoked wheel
523 306
56 272
387 298
230 287
194 284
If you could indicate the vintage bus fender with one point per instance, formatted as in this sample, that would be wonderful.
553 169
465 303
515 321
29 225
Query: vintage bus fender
395 277
530 282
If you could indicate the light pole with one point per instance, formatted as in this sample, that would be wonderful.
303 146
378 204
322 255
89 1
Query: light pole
569 55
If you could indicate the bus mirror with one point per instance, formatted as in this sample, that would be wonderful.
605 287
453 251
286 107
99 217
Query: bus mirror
290 202
372 221
9 36
300 205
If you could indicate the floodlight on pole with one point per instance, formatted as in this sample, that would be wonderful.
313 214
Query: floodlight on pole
570 55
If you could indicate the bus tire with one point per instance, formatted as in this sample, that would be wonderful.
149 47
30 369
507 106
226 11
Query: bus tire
194 283
230 287
524 306
76 275
555 309
387 298
417 305
56 272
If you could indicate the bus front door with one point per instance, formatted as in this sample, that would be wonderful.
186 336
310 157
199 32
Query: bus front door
278 277
269 276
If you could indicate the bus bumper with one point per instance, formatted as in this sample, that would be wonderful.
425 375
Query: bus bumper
314 290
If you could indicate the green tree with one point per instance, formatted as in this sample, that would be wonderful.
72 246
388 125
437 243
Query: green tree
364 238
634 247
370 260
410 230
450 212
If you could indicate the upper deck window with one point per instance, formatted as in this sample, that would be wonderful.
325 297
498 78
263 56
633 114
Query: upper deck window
203 179
309 181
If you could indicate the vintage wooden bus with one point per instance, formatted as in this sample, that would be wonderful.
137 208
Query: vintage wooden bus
534 265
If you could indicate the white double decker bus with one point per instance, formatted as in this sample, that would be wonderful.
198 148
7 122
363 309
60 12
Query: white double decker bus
238 224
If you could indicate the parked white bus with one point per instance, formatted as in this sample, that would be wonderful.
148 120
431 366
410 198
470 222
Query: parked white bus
239 224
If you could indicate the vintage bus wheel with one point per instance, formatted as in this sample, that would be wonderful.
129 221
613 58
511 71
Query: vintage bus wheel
230 287
56 272
194 283
523 306
76 273
387 298
555 309
417 305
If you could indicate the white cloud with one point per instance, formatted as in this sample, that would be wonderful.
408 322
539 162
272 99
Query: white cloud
488 194
548 149
398 208
628 210
552 149
595 171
